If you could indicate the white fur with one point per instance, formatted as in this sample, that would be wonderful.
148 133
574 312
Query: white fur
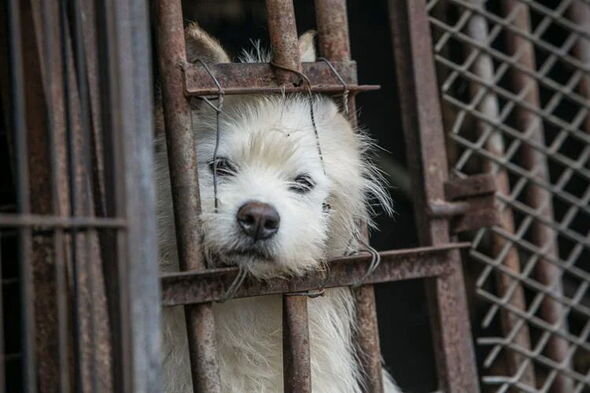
271 140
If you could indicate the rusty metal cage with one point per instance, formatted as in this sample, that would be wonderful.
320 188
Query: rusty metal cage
508 82
514 81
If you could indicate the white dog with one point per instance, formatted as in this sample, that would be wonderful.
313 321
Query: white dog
283 209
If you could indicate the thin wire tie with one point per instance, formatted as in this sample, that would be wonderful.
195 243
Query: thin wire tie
346 92
306 80
218 109
375 261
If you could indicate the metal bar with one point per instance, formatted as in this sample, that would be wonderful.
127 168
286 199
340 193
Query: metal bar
280 16
422 120
297 374
251 78
539 199
132 136
59 183
19 125
332 24
285 49
506 286
41 198
185 190
63 222
211 285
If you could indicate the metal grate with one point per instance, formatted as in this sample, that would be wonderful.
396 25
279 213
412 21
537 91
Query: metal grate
514 79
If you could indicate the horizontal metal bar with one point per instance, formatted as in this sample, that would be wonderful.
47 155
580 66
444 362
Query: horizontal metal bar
254 78
35 220
211 285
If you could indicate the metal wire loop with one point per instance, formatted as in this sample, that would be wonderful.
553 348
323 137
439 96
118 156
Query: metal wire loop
305 79
218 109
346 92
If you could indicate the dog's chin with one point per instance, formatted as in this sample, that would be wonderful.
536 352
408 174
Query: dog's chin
259 262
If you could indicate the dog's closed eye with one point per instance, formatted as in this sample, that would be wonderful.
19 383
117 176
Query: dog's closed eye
302 184
223 167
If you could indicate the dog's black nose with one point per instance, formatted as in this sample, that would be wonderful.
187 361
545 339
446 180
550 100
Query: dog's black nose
258 220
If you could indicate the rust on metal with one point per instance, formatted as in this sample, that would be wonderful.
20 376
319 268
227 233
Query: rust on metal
472 203
252 78
211 285
539 199
185 189
332 25
334 45
287 64
424 135
282 30
296 365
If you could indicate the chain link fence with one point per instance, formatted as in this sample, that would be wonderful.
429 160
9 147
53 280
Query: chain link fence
514 78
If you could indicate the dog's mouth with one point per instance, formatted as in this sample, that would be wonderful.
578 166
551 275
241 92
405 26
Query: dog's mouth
247 254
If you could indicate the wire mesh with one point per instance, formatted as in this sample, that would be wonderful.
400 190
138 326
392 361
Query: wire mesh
514 81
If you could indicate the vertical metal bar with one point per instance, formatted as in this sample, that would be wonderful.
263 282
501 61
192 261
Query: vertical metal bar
332 25
422 121
19 125
185 190
283 38
297 377
539 199
131 127
296 364
59 187
334 44
477 28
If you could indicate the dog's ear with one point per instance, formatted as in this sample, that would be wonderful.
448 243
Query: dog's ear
307 47
200 45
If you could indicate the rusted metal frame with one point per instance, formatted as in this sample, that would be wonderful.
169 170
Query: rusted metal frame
524 173
296 360
91 317
60 222
256 78
59 184
211 285
129 137
43 248
518 366
19 125
334 45
462 70
496 54
537 198
424 136
534 285
509 27
185 189
296 335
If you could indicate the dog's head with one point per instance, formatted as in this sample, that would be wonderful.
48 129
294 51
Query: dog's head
286 198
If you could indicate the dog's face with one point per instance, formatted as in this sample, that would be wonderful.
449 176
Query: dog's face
286 197
273 192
